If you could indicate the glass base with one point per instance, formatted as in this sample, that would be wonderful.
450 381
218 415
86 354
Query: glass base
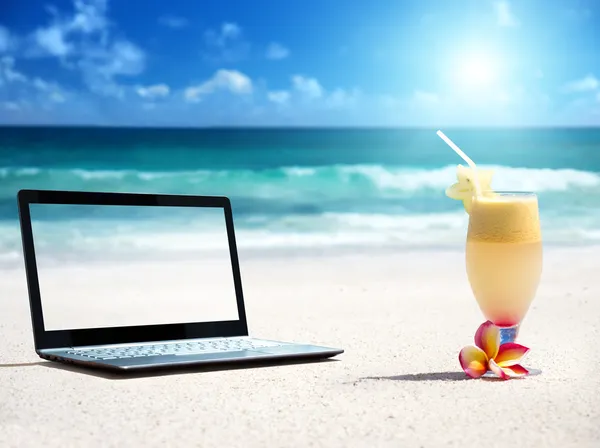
509 334
532 372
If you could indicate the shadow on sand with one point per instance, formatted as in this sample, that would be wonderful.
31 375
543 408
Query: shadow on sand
433 376
21 364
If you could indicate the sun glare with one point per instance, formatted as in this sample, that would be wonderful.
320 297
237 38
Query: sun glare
477 71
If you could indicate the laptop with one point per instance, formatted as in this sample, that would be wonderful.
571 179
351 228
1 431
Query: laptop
129 281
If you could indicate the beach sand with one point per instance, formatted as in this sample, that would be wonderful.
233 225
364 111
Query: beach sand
402 319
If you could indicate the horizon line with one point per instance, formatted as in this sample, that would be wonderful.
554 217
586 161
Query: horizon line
305 127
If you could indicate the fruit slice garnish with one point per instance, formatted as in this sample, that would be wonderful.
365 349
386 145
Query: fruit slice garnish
464 189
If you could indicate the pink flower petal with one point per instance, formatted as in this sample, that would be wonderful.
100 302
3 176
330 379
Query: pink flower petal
487 338
473 361
499 371
516 370
510 354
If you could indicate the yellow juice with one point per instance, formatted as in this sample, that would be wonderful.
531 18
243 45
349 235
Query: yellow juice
504 255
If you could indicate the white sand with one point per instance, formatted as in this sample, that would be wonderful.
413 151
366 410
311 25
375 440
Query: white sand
401 319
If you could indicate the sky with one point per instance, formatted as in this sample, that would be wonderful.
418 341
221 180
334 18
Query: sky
300 63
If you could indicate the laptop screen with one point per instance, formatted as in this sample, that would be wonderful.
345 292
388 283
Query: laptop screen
112 266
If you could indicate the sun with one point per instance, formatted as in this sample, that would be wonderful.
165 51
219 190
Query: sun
477 71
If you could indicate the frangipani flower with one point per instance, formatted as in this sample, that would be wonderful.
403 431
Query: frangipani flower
488 354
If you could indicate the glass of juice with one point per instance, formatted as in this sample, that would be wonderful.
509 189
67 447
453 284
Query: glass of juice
504 256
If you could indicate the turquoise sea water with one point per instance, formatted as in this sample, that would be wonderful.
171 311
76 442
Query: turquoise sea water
309 188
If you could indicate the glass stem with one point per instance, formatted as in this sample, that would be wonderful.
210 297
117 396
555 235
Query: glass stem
508 334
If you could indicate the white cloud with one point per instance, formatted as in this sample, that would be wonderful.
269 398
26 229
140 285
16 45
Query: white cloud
11 106
193 94
174 22
90 16
54 91
277 51
309 96
341 98
504 14
57 97
230 30
40 84
101 65
226 45
585 84
52 41
154 91
49 89
8 73
278 96
227 33
310 87
36 90
84 40
230 80
5 39
121 58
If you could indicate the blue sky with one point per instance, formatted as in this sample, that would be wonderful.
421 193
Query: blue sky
334 63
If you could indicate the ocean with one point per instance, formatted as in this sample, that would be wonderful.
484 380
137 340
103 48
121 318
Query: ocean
305 188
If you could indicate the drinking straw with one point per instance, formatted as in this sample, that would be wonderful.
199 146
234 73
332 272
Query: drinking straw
466 158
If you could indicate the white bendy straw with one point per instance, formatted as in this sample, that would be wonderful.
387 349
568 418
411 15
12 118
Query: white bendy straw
466 158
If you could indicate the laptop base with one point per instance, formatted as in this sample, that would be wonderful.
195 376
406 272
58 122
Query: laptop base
283 351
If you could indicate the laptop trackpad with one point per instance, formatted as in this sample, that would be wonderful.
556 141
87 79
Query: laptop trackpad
221 355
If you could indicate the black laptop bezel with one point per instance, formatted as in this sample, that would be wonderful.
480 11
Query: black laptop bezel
44 339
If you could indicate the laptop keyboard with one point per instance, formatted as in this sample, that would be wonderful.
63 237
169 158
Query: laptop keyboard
180 348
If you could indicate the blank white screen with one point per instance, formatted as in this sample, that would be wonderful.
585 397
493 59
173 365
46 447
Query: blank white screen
112 266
